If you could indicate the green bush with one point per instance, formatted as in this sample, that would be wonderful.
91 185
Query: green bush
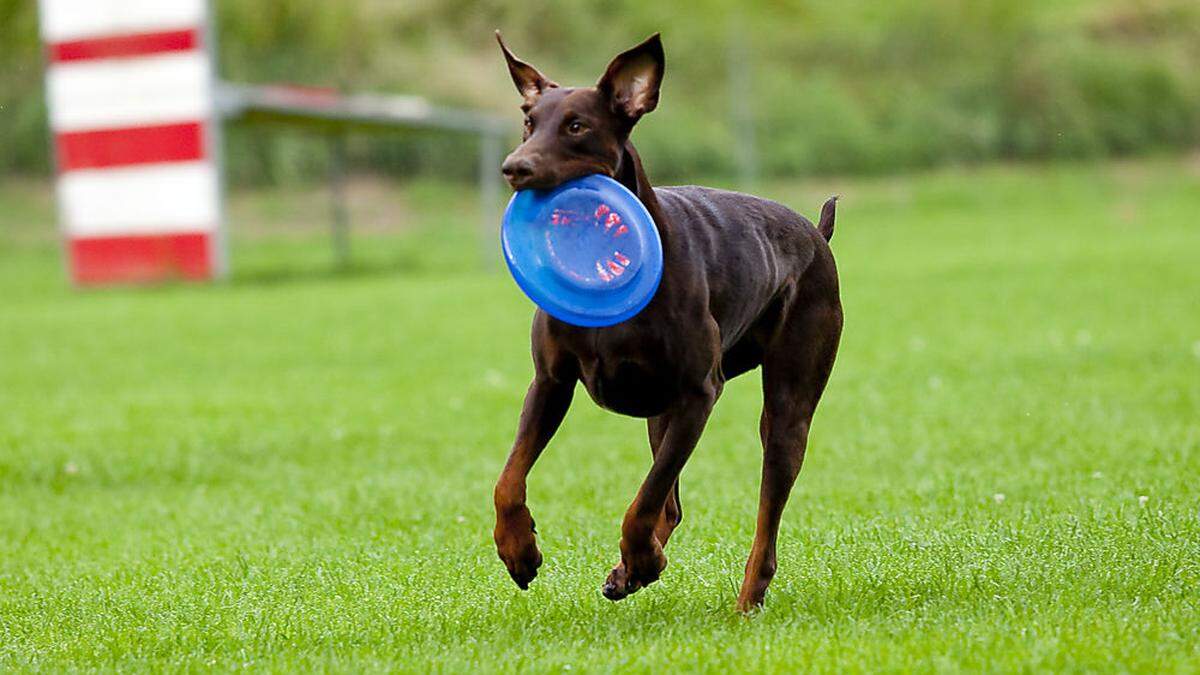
24 144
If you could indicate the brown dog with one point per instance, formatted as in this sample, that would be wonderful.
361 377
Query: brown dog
746 283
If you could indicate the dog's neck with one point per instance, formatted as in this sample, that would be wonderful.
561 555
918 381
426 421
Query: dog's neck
631 174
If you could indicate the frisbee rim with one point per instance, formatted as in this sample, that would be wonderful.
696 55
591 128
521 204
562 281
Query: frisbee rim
574 304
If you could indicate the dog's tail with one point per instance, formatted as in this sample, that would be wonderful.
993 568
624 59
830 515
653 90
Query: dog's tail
825 225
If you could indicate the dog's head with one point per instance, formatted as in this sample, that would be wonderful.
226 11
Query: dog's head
576 131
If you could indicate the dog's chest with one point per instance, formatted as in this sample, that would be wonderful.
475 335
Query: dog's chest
626 375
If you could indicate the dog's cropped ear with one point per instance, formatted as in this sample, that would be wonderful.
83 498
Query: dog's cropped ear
632 80
529 81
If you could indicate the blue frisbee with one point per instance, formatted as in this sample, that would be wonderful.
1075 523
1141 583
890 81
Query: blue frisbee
587 252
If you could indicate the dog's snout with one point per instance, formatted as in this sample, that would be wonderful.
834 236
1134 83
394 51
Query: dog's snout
518 170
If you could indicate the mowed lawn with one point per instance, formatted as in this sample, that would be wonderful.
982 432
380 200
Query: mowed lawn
295 474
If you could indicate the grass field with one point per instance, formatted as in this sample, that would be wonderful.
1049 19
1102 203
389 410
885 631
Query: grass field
295 473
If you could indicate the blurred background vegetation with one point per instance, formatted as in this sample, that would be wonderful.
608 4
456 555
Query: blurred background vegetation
781 88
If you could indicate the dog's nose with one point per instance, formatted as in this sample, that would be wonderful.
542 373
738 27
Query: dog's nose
517 170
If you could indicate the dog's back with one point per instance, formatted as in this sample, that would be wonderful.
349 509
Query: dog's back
747 249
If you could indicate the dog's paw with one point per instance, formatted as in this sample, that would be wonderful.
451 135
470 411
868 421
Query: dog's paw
523 566
751 600
640 567
516 542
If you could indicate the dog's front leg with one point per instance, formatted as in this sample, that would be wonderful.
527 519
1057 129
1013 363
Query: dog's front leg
546 404
642 558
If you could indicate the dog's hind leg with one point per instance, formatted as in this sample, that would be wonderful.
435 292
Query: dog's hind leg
795 369
672 512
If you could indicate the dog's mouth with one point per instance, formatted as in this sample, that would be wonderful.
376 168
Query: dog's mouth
534 181
534 184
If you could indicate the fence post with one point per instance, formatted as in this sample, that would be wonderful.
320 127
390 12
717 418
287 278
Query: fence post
337 193
489 193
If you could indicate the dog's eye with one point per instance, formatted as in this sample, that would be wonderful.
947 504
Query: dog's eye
528 124
576 127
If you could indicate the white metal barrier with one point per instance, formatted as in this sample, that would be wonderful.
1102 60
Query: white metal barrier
135 110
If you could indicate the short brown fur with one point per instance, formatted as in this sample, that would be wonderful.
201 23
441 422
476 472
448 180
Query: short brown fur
747 283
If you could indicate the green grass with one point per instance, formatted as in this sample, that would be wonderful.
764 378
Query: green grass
1003 476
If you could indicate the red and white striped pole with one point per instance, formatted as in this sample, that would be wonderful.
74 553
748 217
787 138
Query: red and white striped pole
130 86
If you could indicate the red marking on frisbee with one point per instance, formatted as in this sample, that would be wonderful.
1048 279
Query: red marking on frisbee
616 269
560 217
602 211
604 276
620 258
620 231
613 219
